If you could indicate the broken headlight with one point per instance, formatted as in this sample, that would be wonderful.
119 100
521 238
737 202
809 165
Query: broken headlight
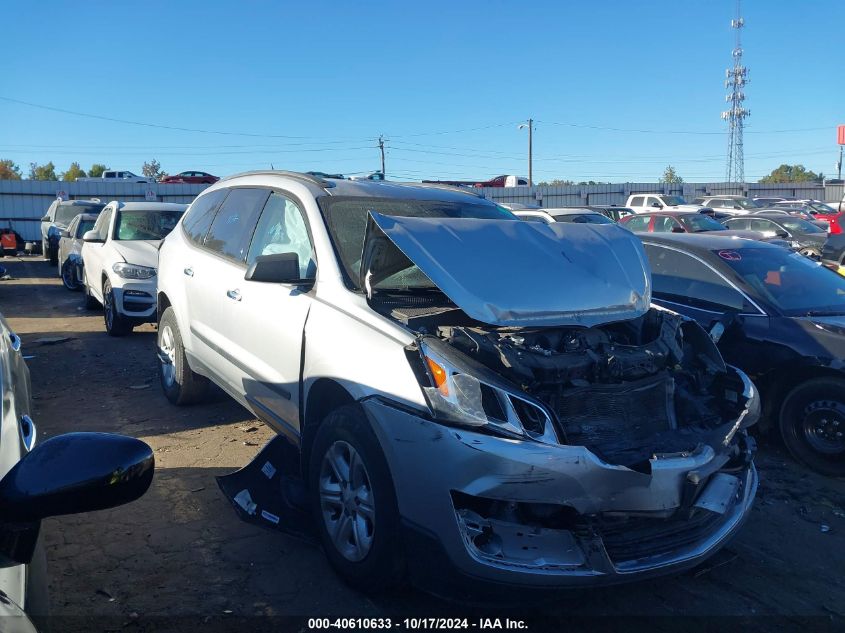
459 393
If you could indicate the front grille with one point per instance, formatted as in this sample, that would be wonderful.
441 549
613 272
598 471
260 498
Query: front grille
621 423
639 538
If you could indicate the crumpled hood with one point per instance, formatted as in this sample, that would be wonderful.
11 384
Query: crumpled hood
514 273
141 252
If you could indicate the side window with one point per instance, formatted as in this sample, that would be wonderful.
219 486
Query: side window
282 229
232 227
638 224
683 279
740 224
664 224
200 214
764 226
637 201
102 225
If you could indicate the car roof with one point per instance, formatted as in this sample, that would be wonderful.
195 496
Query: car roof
703 242
669 214
81 203
364 188
571 211
150 206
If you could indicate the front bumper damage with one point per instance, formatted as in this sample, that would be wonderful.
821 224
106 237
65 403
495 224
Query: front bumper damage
524 513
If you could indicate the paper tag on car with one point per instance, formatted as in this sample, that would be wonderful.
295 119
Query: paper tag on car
268 469
719 494
244 499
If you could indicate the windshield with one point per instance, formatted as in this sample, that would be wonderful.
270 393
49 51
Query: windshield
822 208
794 284
800 226
346 218
672 201
701 222
145 225
66 212
84 226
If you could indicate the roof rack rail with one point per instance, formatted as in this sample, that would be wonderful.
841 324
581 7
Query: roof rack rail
314 180
437 185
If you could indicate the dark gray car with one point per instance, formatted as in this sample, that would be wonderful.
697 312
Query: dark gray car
57 219
807 238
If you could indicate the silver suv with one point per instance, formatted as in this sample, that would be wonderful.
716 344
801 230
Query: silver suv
454 389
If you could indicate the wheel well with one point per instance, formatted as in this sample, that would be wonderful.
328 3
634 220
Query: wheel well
778 386
325 396
162 303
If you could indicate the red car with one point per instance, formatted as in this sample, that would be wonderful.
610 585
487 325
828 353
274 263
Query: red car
192 177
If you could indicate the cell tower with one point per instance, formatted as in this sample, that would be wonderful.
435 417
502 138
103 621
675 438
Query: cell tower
735 80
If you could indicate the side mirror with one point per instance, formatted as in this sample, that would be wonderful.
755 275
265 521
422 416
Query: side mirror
782 234
64 233
76 472
678 229
737 207
46 218
656 205
279 268
92 236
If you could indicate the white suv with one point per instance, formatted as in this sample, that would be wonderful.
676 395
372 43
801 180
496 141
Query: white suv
119 260
454 390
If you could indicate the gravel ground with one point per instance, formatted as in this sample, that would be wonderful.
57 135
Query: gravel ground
180 555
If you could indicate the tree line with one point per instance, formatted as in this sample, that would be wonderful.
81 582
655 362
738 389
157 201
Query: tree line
9 170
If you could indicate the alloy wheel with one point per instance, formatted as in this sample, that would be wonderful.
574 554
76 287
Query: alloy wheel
346 501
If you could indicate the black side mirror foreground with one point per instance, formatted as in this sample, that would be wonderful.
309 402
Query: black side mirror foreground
75 472
280 268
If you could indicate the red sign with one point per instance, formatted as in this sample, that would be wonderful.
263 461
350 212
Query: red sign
840 135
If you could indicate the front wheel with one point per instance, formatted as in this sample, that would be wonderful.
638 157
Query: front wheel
812 253
68 274
354 502
812 423
180 383
116 323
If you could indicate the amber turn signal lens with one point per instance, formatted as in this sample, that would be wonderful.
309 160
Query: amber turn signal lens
439 375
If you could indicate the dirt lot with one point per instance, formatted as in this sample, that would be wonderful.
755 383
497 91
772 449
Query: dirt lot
180 555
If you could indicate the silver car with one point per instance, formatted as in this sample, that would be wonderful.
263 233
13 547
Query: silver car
457 393
70 250
57 219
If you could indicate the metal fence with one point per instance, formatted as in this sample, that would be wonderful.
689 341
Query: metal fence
24 202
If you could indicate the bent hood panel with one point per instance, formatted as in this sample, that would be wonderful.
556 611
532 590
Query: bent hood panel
514 273
140 252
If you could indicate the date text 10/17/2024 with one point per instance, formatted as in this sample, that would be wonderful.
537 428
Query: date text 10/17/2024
416 624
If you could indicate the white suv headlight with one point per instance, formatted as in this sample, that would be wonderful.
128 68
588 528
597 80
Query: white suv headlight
460 393
133 271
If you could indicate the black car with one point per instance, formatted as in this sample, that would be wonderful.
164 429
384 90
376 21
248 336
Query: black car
833 251
806 237
776 315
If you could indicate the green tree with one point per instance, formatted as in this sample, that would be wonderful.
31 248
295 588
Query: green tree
557 182
97 170
42 172
152 169
73 172
792 173
9 170
670 176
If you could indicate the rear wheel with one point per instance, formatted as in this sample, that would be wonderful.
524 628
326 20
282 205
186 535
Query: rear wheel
180 383
116 323
354 502
812 423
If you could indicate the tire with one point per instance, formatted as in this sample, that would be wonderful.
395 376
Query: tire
812 424
367 555
53 255
88 301
69 280
180 383
812 253
116 323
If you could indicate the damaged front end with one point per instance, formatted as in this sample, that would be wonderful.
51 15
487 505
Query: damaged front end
580 448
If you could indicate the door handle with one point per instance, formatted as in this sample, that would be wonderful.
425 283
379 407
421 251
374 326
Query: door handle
15 340
189 271
234 294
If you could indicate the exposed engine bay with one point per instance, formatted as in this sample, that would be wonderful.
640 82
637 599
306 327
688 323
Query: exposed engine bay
629 390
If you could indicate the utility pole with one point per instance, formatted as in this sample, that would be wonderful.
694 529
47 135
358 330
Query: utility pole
381 148
735 80
530 126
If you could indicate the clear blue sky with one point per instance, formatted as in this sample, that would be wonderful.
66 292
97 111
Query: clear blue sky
314 83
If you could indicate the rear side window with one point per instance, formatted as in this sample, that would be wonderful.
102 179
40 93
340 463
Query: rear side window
740 224
637 201
664 225
198 218
232 227
638 224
